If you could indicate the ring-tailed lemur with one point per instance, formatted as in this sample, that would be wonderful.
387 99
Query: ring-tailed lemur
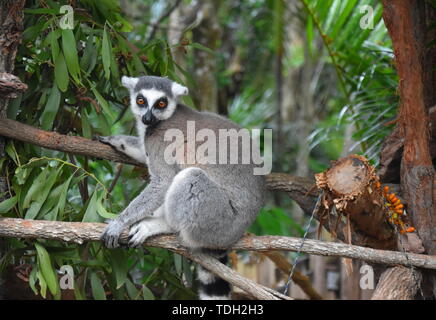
207 205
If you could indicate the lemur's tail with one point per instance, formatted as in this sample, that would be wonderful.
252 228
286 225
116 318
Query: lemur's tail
212 287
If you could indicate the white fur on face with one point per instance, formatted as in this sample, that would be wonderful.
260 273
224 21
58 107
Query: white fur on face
152 95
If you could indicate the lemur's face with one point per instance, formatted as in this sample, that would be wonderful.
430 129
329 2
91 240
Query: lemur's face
153 99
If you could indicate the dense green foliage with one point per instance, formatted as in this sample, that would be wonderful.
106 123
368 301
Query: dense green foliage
74 88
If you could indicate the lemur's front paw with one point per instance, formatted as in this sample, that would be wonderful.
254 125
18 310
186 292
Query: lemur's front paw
113 141
138 234
104 140
111 234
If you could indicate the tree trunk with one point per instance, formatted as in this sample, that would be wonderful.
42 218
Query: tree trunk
207 33
11 27
408 23
398 283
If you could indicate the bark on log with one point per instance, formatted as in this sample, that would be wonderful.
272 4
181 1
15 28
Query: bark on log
352 188
80 232
398 283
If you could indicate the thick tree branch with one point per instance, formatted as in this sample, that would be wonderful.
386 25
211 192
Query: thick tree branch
55 141
398 283
80 232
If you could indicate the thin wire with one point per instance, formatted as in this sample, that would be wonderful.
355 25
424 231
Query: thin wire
318 203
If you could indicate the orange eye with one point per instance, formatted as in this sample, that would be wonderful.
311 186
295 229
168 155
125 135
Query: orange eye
140 101
162 104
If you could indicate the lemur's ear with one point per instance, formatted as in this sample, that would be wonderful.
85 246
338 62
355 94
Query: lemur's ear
129 82
179 90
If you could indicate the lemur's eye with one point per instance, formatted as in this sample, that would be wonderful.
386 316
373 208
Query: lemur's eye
161 103
140 100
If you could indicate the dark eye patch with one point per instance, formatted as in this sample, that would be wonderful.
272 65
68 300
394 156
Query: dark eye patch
141 101
161 103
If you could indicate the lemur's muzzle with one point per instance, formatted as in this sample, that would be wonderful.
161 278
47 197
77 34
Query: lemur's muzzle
149 118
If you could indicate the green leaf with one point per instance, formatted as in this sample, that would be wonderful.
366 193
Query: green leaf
41 195
54 45
202 48
47 271
178 263
14 106
91 210
119 264
63 197
36 186
103 104
61 73
11 152
70 51
97 287
87 62
42 283
32 280
106 52
8 204
132 291
78 294
102 211
51 109
86 127
147 294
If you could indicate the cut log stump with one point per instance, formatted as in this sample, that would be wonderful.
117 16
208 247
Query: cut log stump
352 191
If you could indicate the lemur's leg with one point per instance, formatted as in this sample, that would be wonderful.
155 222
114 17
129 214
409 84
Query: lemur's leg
200 210
128 145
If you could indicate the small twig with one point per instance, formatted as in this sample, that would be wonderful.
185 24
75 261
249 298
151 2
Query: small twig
115 180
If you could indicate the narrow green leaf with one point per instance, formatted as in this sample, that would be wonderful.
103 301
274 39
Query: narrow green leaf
106 52
91 210
178 263
42 283
119 263
51 109
54 45
8 204
47 270
97 287
70 52
41 195
102 211
202 48
36 186
86 127
132 291
147 294
103 104
61 73
88 54
32 280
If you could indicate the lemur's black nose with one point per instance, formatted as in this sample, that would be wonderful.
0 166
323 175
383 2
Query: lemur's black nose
149 118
